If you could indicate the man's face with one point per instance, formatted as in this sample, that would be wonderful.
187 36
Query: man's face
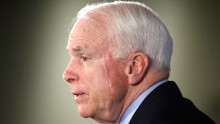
97 80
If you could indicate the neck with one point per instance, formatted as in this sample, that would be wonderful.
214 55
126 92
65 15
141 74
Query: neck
152 77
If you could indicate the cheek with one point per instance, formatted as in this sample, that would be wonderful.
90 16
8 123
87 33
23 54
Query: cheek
116 80
96 79
95 82
118 87
102 81
106 87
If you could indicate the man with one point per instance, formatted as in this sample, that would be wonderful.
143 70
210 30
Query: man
119 68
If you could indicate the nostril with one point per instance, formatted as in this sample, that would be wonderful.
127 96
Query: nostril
70 80
67 75
70 76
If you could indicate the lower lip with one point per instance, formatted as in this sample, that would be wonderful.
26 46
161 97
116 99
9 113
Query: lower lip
80 98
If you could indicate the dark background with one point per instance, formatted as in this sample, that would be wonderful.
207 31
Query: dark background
33 57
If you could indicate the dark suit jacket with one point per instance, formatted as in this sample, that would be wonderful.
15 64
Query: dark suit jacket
165 105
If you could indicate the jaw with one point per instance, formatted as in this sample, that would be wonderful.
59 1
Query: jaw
110 115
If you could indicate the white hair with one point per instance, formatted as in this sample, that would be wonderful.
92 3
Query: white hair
135 27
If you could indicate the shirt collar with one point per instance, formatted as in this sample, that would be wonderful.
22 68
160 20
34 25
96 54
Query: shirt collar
133 107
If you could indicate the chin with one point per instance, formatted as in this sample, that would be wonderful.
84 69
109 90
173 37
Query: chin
86 111
103 117
106 118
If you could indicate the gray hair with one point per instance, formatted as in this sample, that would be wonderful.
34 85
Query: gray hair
135 27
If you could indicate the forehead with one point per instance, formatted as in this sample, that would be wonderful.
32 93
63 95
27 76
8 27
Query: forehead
89 32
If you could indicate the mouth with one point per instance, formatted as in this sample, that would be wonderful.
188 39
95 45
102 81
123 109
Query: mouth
77 93
79 97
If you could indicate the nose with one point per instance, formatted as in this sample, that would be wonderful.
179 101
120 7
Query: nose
70 76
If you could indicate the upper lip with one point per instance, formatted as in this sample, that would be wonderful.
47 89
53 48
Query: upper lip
76 93
75 90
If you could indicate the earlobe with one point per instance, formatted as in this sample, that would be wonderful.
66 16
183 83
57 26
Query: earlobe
136 67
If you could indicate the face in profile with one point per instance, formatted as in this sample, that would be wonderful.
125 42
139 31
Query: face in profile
96 79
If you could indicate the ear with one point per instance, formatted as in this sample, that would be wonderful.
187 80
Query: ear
137 65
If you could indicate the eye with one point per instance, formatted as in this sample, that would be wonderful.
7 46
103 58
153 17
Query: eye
83 58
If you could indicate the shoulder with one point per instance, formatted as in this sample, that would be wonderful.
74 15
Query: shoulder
166 105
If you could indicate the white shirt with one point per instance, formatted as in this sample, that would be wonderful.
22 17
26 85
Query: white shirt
133 107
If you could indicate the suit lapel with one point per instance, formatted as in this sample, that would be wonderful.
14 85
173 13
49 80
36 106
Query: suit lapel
152 102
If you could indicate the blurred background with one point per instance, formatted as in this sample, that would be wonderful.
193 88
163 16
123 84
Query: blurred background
34 35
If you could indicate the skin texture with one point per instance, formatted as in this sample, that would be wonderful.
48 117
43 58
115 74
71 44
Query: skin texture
104 86
93 73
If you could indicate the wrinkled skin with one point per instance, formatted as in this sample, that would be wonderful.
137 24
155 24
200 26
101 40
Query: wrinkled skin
97 80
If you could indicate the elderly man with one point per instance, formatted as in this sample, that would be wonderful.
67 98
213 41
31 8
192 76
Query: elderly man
119 68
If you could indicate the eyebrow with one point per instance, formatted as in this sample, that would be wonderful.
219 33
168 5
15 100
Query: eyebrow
77 48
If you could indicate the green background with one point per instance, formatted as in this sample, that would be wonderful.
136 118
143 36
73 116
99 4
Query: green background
34 35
